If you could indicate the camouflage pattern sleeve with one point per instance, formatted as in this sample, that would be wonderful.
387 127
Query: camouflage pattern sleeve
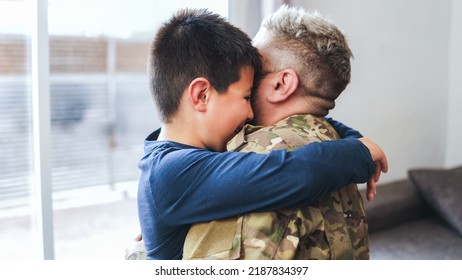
333 227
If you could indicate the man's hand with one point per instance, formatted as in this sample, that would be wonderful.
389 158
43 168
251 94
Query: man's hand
138 238
380 165
136 249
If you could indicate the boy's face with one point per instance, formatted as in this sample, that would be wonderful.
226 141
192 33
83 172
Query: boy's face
265 85
228 112
264 88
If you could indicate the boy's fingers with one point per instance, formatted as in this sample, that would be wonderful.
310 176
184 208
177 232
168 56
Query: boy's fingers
371 189
377 171
384 163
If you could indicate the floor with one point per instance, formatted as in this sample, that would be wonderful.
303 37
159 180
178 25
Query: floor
92 232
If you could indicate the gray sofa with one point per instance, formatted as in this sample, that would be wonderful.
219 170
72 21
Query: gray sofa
419 217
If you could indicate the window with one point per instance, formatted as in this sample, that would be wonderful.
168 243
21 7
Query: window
16 177
100 112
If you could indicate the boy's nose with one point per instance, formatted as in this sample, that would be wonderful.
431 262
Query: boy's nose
250 113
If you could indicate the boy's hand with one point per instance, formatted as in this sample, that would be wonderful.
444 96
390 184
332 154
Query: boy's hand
381 165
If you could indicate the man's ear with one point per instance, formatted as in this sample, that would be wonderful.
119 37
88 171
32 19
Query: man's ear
284 85
198 91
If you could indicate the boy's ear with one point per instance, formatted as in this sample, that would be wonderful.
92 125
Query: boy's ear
198 91
285 83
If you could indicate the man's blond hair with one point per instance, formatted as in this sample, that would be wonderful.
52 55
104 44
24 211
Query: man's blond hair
312 43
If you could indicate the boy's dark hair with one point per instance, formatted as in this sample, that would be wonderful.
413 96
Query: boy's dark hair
196 43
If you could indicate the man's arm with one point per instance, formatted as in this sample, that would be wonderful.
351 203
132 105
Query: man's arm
344 131
207 186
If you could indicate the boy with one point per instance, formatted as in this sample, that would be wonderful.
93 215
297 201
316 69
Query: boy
306 59
201 76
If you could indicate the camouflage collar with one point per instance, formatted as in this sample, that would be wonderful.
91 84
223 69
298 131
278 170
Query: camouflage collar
298 120
240 138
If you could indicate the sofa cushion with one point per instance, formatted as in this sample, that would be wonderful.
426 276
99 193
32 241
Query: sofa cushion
423 239
396 203
442 189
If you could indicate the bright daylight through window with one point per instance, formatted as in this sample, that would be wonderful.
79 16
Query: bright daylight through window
100 112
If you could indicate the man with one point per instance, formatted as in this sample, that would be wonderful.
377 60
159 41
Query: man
306 61
201 76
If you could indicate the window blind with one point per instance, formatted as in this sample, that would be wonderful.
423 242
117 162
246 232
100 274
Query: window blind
15 121
98 92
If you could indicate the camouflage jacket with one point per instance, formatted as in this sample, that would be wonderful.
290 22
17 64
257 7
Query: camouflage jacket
333 227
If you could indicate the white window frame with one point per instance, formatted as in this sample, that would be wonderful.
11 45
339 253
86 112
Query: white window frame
42 158
41 129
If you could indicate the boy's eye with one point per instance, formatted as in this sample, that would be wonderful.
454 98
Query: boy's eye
247 98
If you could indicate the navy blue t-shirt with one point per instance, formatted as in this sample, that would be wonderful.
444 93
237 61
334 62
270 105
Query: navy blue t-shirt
181 185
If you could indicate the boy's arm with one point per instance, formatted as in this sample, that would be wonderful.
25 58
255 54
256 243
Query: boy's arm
344 131
202 186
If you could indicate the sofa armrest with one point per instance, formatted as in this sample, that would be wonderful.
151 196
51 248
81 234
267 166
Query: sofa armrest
395 203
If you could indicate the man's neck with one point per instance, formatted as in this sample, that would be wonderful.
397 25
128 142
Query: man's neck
279 112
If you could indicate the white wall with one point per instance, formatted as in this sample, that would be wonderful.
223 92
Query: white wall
454 149
401 90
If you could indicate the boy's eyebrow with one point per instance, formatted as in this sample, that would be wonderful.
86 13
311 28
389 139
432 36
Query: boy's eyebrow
250 91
